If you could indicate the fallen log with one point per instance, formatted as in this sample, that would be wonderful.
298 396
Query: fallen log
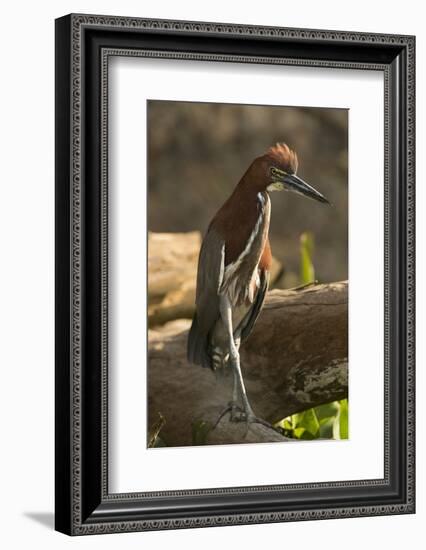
295 358
172 261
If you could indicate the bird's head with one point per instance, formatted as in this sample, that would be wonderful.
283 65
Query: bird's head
276 171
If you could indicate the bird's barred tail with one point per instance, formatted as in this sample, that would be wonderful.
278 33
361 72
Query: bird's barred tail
218 359
200 352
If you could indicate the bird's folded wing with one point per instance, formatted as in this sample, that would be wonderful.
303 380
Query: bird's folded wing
211 268
247 324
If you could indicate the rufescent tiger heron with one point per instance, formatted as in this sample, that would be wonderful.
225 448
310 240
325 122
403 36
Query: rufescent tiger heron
233 270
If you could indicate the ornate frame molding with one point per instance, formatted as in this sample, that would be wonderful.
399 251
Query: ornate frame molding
76 510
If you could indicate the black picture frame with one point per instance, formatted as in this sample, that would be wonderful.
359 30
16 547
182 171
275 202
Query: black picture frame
83 45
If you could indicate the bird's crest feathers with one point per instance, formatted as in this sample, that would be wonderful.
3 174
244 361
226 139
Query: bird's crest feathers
281 154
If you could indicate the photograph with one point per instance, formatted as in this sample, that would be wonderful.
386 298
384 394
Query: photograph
247 209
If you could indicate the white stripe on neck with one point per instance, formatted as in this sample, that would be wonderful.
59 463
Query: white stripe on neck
233 267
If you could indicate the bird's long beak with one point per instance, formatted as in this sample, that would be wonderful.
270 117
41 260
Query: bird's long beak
296 184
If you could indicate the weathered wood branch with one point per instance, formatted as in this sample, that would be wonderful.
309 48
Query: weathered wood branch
295 358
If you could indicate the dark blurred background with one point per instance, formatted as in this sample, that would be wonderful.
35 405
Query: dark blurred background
197 152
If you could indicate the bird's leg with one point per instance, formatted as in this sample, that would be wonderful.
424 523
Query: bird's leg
234 403
233 407
234 357
237 412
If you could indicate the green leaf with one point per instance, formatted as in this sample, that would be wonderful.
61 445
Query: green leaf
307 271
344 419
298 432
336 427
200 430
297 419
328 410
328 421
326 428
309 421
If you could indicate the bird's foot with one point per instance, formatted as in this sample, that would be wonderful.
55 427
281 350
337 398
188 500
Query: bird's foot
250 418
236 413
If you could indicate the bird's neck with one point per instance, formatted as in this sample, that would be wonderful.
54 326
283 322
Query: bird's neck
243 217
248 193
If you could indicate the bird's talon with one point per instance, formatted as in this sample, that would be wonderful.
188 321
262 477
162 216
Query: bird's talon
252 419
231 408
238 416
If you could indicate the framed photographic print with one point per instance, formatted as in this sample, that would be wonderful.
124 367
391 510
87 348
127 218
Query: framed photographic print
234 274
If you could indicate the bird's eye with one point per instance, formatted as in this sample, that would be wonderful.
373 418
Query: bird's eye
276 173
